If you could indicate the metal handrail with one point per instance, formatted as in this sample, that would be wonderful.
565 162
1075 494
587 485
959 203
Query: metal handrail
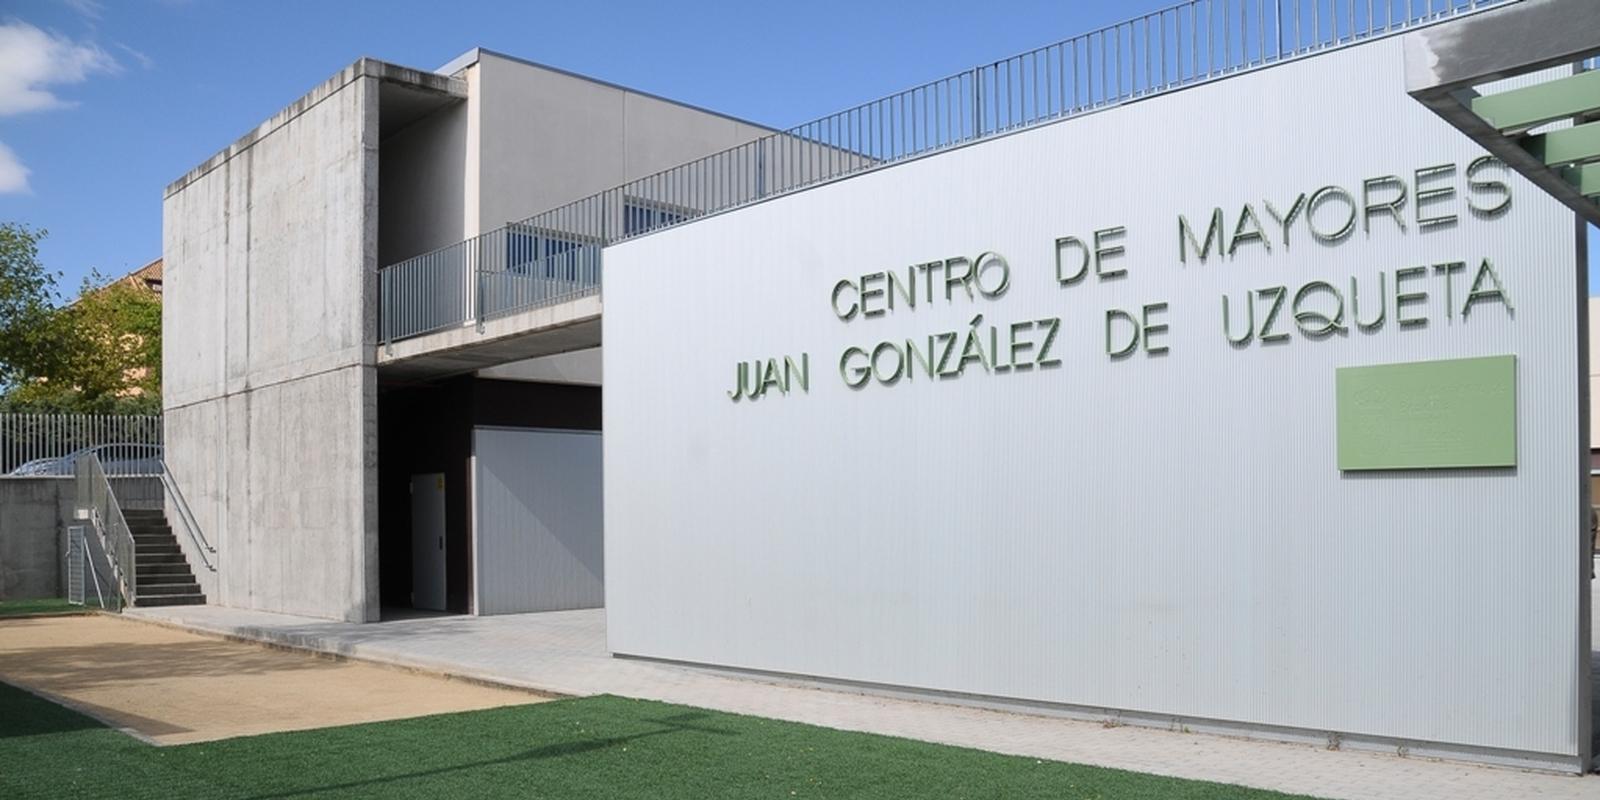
105 515
186 516
1179 46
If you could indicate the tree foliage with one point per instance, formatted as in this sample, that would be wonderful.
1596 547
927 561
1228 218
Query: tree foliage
101 354
29 343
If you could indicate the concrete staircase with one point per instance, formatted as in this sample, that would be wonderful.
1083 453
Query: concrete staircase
163 575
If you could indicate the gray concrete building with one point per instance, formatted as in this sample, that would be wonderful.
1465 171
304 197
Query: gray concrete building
273 382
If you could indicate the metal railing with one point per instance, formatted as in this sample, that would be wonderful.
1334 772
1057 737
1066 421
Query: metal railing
511 269
83 575
105 517
48 444
202 547
1183 45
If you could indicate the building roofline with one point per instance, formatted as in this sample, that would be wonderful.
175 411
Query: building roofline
474 55
460 62
363 67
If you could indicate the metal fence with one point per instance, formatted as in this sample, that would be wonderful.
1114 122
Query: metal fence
90 578
512 268
109 527
1179 46
49 444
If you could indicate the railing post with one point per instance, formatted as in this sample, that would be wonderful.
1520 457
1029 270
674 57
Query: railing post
977 102
761 167
472 279
386 310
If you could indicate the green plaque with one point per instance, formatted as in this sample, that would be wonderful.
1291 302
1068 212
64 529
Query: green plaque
1428 414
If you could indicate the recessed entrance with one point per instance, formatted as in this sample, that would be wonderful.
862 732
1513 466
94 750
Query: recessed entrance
541 441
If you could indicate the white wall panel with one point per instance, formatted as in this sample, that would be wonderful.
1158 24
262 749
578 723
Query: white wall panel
537 520
1164 534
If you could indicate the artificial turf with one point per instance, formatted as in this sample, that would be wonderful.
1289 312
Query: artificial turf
599 747
49 605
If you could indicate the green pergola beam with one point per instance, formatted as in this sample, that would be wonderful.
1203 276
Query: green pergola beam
1571 146
1520 109
1585 177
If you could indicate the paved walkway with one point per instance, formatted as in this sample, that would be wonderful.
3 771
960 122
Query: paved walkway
173 687
565 652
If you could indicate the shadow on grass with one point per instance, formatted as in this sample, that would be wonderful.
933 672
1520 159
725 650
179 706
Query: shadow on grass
26 714
677 723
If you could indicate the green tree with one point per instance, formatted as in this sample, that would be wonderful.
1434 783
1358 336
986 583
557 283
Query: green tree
116 352
30 339
101 354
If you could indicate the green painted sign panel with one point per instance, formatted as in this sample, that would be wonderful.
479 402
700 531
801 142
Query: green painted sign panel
1428 414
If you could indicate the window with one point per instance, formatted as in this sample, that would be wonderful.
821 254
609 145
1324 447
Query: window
642 216
539 253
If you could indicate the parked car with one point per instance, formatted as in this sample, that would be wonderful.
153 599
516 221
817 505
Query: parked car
115 458
37 466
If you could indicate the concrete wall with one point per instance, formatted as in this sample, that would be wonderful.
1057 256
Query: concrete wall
577 366
1163 535
547 137
269 325
34 513
269 318
422 185
34 516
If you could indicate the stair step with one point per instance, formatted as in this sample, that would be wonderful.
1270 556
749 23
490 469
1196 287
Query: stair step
154 578
172 600
148 568
163 574
142 558
163 589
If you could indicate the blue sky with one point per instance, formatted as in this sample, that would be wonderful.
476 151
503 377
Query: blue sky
104 102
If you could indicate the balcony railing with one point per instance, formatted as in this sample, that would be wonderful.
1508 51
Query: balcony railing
512 268
531 263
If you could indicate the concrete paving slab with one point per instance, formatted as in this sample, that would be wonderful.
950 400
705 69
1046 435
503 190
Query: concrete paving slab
170 686
565 652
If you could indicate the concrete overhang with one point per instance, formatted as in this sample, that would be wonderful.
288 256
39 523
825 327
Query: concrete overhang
1446 63
405 95
548 330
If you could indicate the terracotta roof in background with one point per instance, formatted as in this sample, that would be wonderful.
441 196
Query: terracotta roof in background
147 276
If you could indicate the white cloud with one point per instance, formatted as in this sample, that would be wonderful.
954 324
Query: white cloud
89 9
13 176
32 61
144 60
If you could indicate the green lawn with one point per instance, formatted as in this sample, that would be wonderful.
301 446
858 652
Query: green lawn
600 747
52 605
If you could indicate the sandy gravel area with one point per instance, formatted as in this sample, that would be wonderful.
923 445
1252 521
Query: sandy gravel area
174 687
